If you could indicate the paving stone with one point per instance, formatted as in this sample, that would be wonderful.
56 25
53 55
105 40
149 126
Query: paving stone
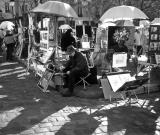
117 116
52 119
104 123
53 113
54 128
116 111
60 119
50 133
45 120
117 133
138 123
157 132
98 131
59 123
41 130
104 129
43 125
27 132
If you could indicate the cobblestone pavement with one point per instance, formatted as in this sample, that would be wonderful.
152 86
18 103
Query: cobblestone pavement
26 110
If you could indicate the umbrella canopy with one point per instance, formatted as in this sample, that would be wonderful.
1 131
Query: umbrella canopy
7 25
156 21
123 13
144 23
65 27
124 23
106 25
57 8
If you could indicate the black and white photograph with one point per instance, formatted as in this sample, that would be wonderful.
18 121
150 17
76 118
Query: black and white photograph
154 29
79 67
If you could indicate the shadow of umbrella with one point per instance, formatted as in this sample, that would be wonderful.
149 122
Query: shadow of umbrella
24 106
128 120
86 126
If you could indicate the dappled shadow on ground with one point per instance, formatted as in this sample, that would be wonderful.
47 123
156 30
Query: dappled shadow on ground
81 124
29 106
136 119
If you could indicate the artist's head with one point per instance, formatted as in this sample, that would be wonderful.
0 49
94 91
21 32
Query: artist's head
71 50
69 32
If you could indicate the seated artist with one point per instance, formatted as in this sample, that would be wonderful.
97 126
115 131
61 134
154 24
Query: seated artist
75 67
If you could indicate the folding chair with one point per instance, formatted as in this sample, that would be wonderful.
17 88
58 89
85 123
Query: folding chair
90 64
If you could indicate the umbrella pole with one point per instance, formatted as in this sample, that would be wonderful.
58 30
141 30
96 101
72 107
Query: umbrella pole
56 37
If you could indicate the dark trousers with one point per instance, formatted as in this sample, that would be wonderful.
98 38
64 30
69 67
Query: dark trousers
10 49
72 78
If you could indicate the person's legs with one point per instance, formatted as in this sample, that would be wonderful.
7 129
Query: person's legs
73 77
8 52
10 48
70 81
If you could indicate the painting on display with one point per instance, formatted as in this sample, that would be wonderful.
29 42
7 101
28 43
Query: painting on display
44 39
53 34
154 38
125 33
44 80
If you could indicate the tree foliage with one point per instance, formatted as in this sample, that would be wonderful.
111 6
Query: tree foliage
96 8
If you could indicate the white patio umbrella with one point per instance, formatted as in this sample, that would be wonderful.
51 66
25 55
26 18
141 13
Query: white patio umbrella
144 23
57 9
123 13
106 25
124 23
156 21
7 25
65 27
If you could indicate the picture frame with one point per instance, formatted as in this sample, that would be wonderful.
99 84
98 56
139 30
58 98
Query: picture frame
44 39
154 39
45 79
119 60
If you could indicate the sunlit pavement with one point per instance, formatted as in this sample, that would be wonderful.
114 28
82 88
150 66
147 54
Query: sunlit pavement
26 110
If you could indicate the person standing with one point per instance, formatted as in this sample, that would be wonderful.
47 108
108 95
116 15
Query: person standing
67 40
138 46
36 33
1 40
9 41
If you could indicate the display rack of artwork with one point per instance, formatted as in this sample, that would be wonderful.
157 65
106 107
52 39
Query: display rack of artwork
154 38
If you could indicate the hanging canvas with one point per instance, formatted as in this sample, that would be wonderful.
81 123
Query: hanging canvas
119 60
44 39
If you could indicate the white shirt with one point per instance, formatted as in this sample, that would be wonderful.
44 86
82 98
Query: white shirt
137 38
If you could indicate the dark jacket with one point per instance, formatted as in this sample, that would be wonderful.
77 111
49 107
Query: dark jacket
66 41
36 33
77 63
